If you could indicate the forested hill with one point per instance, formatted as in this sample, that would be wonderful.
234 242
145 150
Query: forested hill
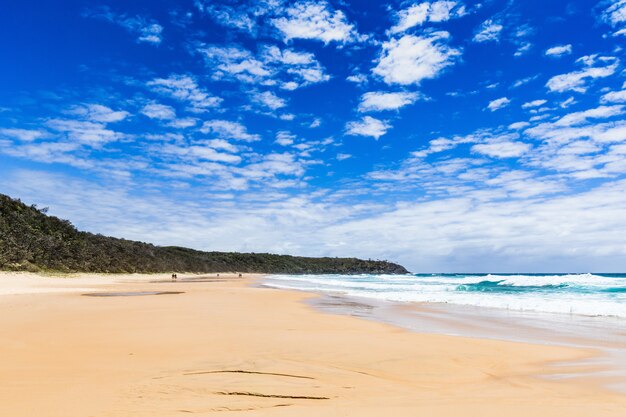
30 240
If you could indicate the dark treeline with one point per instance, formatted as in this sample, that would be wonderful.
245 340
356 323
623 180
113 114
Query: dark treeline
30 240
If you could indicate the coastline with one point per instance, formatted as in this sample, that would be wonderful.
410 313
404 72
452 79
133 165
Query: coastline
224 344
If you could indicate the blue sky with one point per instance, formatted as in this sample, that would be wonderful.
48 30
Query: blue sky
445 135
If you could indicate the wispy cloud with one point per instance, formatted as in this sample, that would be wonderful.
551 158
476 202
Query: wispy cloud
489 31
284 138
225 129
84 131
380 101
594 66
146 30
232 17
272 66
185 88
534 103
615 15
98 113
24 135
559 50
499 103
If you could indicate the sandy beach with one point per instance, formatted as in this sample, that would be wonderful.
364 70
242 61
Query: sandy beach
220 345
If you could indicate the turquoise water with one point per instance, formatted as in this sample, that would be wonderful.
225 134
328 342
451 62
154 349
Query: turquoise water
584 294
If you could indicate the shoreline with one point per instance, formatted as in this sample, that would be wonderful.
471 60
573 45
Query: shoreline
225 345
605 342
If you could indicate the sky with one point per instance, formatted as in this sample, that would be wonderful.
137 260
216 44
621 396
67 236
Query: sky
448 136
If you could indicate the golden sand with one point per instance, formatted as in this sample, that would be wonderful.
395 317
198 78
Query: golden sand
224 347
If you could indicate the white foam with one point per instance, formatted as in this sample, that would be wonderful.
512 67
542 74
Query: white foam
445 289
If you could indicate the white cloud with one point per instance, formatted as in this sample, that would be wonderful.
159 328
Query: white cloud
48 152
284 138
84 132
520 38
502 148
367 126
539 117
198 153
415 15
274 164
225 129
379 101
578 146
269 99
185 88
443 144
411 59
272 66
534 103
222 145
236 62
580 232
317 122
614 97
183 123
98 113
145 29
523 48
559 50
615 15
230 17
24 135
484 142
601 112
523 81
594 66
151 33
315 20
441 11
301 68
518 125
560 134
499 103
357 78
581 158
489 31
418 14
343 156
159 111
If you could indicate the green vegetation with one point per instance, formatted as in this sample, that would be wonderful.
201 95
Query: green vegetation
30 240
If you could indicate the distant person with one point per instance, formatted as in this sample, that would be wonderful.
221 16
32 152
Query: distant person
174 277
240 275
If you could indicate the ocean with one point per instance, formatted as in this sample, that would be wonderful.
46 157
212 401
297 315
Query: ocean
572 294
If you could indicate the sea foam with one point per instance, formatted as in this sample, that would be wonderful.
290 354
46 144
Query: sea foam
583 294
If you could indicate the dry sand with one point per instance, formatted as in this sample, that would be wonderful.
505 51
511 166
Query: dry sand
224 347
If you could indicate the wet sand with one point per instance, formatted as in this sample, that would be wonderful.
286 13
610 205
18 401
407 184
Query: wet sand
224 346
604 335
